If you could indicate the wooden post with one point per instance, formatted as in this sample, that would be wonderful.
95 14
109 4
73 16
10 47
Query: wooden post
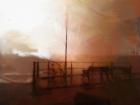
111 71
71 75
37 67
49 74
34 78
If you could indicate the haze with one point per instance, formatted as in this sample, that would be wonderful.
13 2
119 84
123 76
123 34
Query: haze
37 27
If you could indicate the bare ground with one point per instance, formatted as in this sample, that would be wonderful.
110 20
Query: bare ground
119 93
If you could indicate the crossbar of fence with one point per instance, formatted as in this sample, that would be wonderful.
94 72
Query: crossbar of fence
52 73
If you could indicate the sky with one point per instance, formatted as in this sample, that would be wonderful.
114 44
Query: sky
95 27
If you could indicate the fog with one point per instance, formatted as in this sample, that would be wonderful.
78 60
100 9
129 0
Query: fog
33 29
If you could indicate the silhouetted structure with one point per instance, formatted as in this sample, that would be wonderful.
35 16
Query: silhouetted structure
87 74
50 75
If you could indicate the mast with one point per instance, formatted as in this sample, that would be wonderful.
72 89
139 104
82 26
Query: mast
66 45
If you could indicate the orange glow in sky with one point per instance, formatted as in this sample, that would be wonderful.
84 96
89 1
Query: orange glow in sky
37 27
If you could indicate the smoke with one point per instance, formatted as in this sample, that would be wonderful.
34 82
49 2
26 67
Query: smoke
32 28
93 25
109 27
13 41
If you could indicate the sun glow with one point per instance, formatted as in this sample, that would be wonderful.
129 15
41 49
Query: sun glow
40 21
37 27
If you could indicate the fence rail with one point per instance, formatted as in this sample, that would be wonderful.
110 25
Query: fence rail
53 74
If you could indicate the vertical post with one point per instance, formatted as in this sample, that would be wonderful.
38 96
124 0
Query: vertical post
37 69
111 71
48 74
71 73
66 48
34 78
130 72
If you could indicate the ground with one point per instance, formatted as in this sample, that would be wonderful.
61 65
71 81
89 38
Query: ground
119 93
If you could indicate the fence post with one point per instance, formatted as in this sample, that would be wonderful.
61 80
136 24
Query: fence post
37 67
49 74
111 71
71 75
34 78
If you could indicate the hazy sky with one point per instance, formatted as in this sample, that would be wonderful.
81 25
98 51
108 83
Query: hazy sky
96 27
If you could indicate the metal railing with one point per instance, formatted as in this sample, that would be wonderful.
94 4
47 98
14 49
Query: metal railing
51 74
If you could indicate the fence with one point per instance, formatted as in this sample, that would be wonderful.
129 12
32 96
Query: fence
50 74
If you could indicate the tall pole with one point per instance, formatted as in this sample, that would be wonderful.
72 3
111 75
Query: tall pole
66 46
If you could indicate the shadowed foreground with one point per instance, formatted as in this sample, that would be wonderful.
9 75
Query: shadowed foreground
116 93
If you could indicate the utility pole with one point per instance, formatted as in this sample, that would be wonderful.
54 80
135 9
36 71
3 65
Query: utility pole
66 46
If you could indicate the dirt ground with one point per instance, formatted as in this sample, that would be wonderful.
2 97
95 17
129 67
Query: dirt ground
118 93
